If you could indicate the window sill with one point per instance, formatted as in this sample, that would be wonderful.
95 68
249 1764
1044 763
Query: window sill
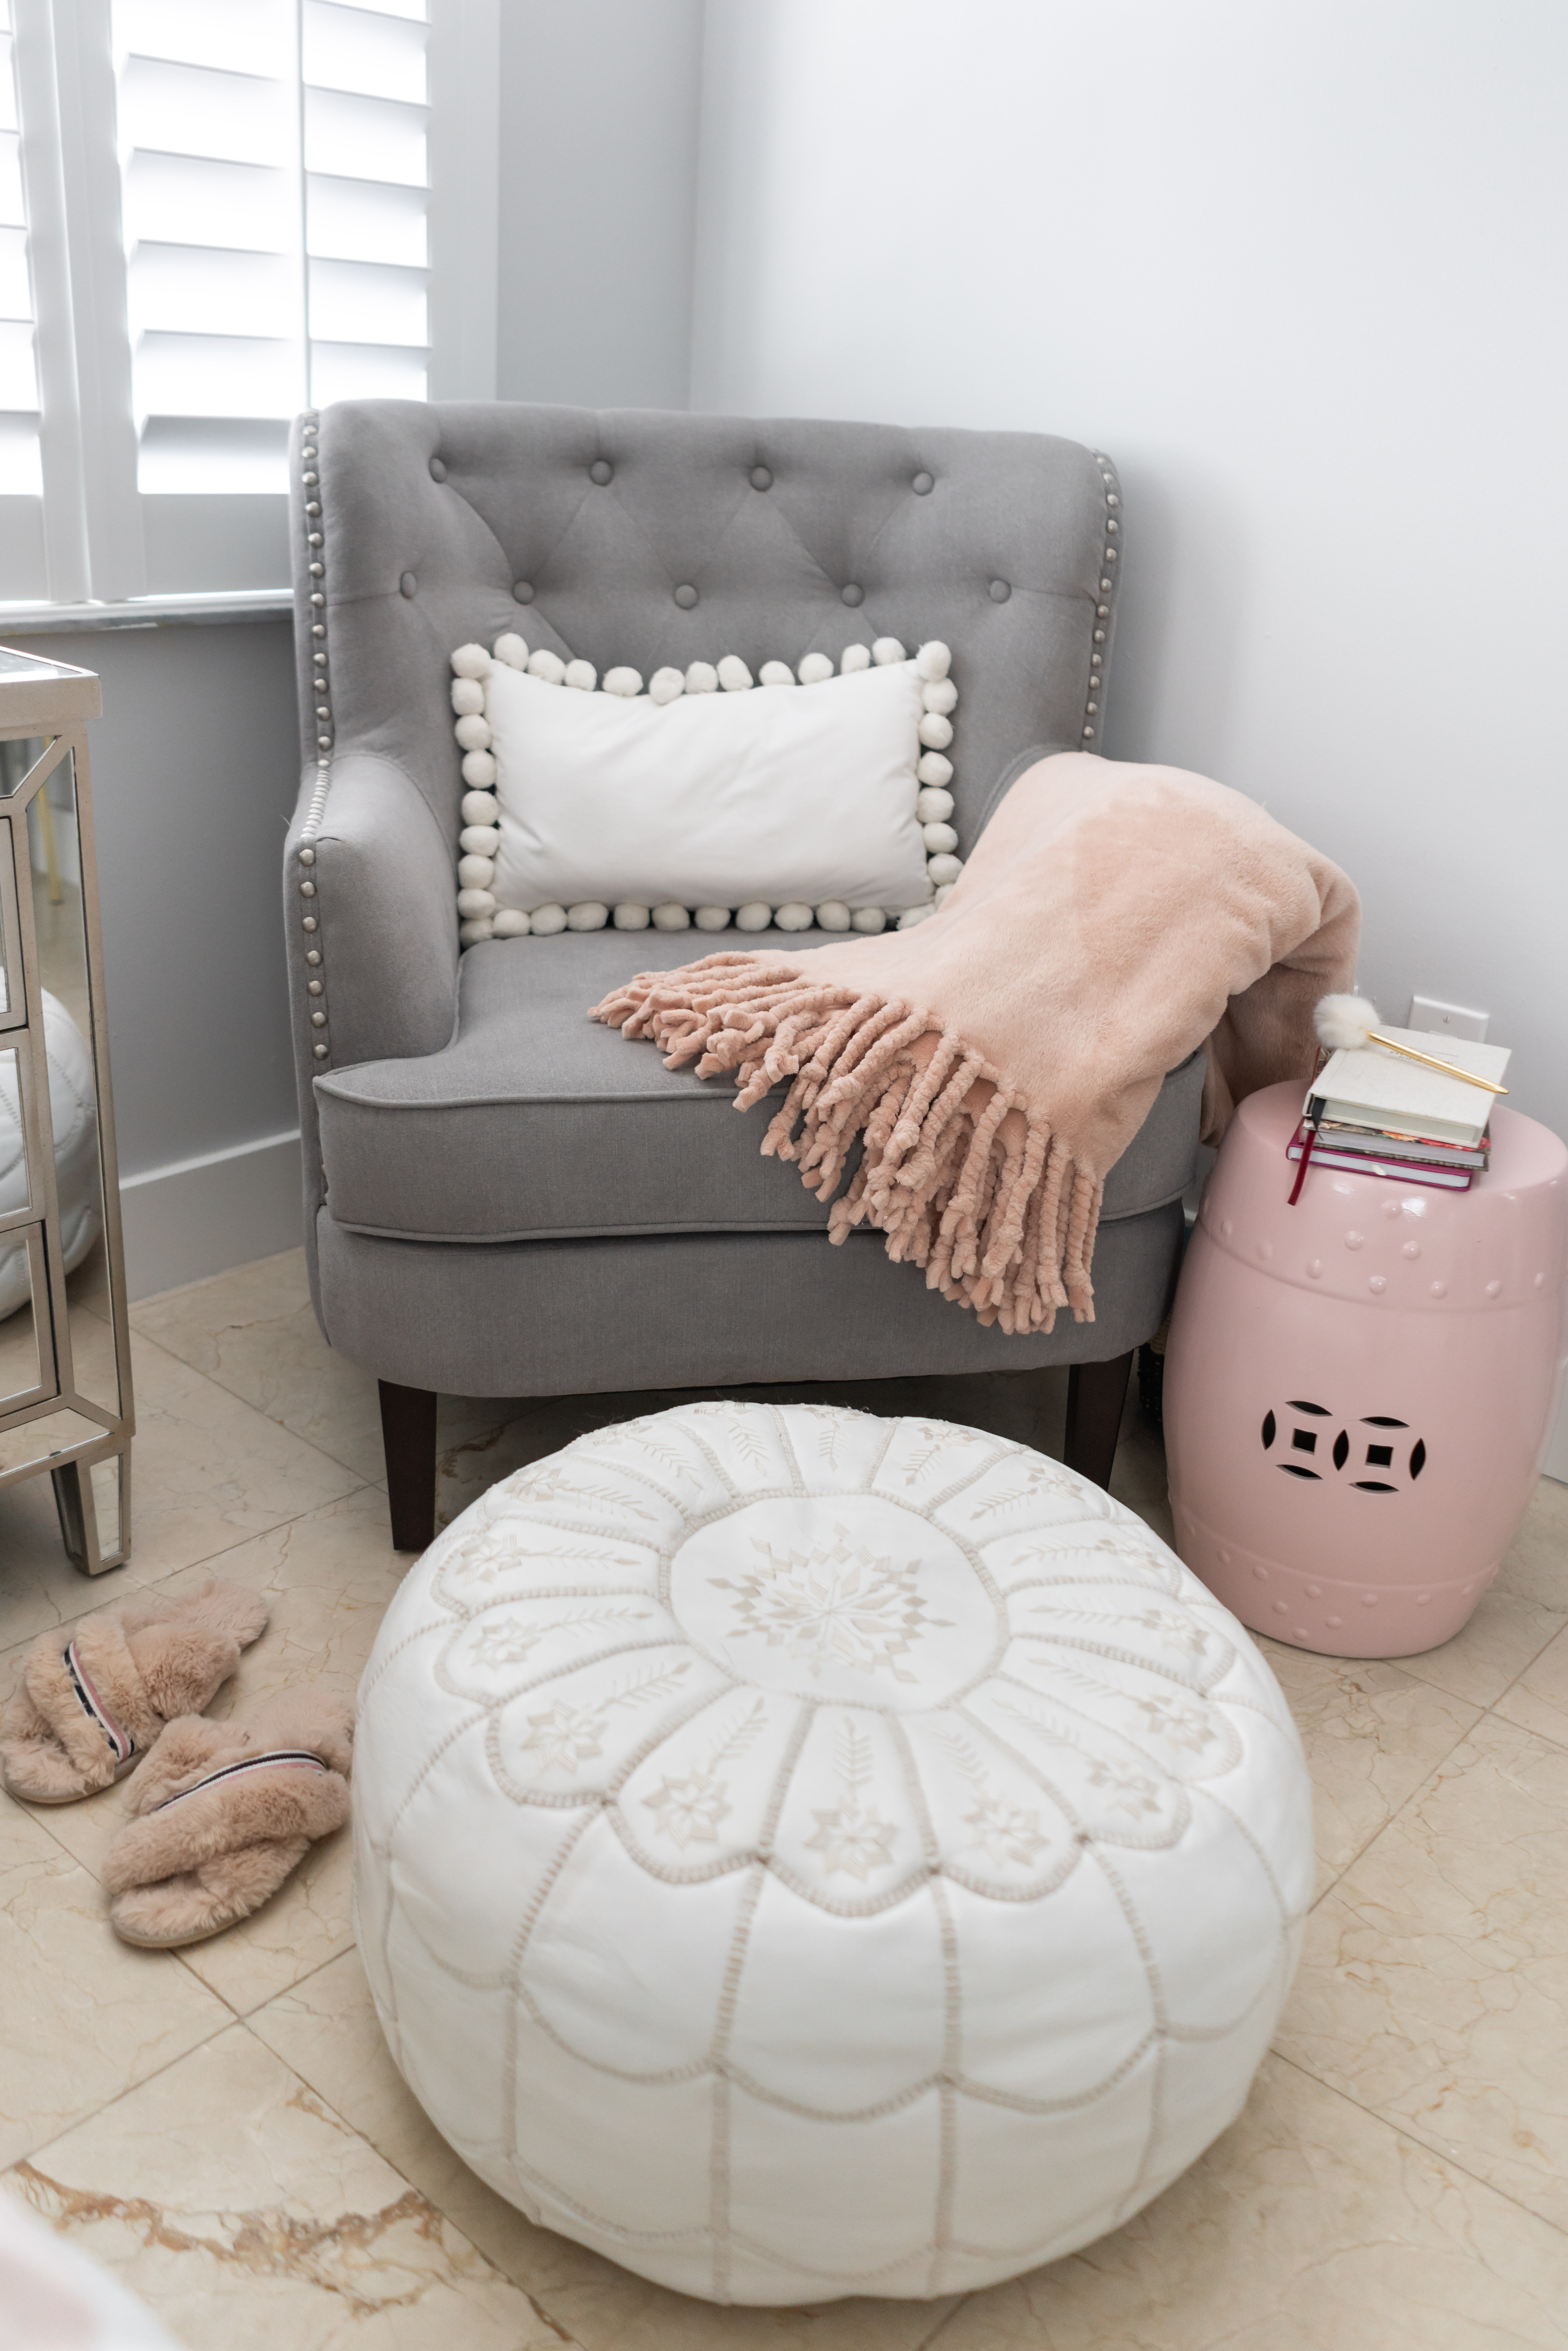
145 612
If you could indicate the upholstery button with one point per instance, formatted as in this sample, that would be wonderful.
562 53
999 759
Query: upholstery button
601 471
761 479
522 591
1000 592
923 485
438 470
409 584
686 597
852 595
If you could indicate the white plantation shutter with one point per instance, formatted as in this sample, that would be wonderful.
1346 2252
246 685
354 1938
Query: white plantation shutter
19 472
22 571
273 200
232 217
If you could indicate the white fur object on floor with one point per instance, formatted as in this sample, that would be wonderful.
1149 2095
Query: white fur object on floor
72 1099
54 2297
800 1854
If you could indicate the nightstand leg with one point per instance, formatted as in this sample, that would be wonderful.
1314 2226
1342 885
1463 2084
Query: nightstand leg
94 1521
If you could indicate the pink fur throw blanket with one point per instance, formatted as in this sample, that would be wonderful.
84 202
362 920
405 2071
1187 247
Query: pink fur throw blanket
996 1061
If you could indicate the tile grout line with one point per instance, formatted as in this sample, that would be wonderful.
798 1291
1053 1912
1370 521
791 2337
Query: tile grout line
31 2156
1484 1714
353 1467
260 1534
946 2319
1382 1829
113 1594
285 1991
1529 1662
1424 2147
225 2025
364 2140
243 1402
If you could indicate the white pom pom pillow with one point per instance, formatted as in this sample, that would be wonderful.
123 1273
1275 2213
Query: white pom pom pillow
803 797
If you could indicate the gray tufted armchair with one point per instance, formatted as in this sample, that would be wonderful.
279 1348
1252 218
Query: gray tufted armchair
502 1198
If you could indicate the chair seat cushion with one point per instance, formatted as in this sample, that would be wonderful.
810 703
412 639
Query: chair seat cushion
536 1122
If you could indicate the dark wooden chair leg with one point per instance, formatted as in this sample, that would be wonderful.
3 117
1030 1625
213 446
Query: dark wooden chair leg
1095 1396
408 1440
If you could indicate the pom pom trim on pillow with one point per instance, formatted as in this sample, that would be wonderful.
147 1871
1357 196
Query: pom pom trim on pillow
481 916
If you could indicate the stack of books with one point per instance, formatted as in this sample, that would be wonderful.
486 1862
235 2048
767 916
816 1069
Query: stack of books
1376 1114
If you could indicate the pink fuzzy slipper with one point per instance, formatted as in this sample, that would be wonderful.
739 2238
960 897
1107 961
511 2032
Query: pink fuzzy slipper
87 1708
228 1809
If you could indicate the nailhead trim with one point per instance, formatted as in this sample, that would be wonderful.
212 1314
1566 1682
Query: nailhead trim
321 687
1107 590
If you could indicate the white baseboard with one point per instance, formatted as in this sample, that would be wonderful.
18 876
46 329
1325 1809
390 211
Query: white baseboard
200 1216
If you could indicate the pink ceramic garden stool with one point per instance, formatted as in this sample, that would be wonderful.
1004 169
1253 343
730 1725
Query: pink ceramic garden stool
1359 1390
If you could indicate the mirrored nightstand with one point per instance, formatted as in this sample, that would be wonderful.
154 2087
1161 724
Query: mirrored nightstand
65 1357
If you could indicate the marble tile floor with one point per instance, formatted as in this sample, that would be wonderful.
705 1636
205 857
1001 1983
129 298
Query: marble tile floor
225 2129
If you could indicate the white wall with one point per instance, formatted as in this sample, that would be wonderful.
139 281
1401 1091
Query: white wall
599 149
1299 269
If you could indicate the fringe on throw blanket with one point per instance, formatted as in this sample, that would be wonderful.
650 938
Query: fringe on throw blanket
957 1172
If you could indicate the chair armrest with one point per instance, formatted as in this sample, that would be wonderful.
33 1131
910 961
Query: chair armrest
369 868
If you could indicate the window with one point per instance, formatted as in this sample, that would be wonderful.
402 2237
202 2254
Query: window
19 376
213 214
21 482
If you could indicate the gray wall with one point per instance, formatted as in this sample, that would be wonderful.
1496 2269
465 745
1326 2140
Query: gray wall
598 178
194 774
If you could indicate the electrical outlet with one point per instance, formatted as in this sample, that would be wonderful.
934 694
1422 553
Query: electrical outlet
1447 1020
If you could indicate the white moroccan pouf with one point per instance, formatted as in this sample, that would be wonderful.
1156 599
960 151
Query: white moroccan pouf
800 1854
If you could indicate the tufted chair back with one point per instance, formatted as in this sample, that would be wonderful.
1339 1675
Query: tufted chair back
652 537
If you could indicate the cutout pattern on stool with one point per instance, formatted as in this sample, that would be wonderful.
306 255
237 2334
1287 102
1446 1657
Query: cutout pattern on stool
1364 1452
